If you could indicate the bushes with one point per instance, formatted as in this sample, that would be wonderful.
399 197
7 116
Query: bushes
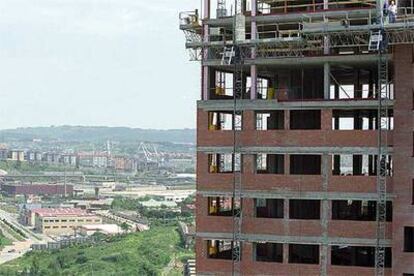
144 253
17 230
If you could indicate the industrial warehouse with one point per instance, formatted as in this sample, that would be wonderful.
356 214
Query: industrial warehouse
62 220
305 136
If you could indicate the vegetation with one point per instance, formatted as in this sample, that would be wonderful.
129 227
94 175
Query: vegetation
145 253
12 230
38 167
123 203
3 240
101 134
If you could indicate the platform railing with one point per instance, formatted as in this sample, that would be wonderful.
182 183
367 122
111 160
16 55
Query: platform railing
282 6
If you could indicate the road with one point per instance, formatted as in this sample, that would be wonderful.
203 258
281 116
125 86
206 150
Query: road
17 249
14 251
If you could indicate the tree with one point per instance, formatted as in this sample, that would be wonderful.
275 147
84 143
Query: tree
35 267
125 227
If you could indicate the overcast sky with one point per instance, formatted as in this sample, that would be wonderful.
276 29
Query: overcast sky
96 62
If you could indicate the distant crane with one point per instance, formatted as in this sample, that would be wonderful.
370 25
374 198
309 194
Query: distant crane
150 154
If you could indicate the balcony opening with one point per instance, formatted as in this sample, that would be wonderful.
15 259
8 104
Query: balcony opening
219 249
264 90
303 254
304 84
358 210
355 83
269 252
223 163
224 121
222 9
270 120
269 208
222 85
408 239
304 209
305 164
270 163
222 206
363 256
363 165
360 120
305 119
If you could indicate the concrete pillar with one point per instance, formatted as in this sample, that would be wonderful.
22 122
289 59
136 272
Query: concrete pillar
205 82
326 80
286 229
285 253
287 164
206 9
287 119
326 39
325 214
205 69
253 77
326 119
253 68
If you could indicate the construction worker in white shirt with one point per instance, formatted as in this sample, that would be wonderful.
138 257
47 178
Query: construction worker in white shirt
392 12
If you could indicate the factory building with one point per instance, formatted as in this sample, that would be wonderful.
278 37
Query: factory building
63 221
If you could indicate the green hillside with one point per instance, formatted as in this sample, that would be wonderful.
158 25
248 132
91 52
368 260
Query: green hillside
98 134
146 253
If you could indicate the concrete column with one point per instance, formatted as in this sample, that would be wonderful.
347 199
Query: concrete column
286 229
326 80
287 119
285 253
287 164
253 77
325 214
253 68
326 39
326 119
204 82
206 9
205 69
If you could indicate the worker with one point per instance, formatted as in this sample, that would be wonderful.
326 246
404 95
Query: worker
392 12
385 9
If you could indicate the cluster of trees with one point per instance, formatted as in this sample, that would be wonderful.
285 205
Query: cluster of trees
17 230
123 203
3 240
162 214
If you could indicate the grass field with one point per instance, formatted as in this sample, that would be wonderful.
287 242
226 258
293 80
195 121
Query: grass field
146 253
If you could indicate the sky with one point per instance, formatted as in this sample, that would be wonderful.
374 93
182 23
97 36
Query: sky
96 63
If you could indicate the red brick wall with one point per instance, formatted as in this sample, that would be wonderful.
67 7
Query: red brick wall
403 157
250 137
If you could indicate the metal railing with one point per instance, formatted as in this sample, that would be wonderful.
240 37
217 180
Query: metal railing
190 18
282 6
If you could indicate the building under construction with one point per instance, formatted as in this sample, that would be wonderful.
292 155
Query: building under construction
305 137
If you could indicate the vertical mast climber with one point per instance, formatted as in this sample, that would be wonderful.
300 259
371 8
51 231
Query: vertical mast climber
238 36
382 125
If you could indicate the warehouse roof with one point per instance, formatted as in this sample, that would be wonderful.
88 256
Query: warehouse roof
51 212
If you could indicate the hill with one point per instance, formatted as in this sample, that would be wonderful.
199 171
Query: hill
97 134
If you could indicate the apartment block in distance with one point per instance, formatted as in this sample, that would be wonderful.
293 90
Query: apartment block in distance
305 137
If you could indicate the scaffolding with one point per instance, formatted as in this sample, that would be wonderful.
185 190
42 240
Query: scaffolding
368 34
